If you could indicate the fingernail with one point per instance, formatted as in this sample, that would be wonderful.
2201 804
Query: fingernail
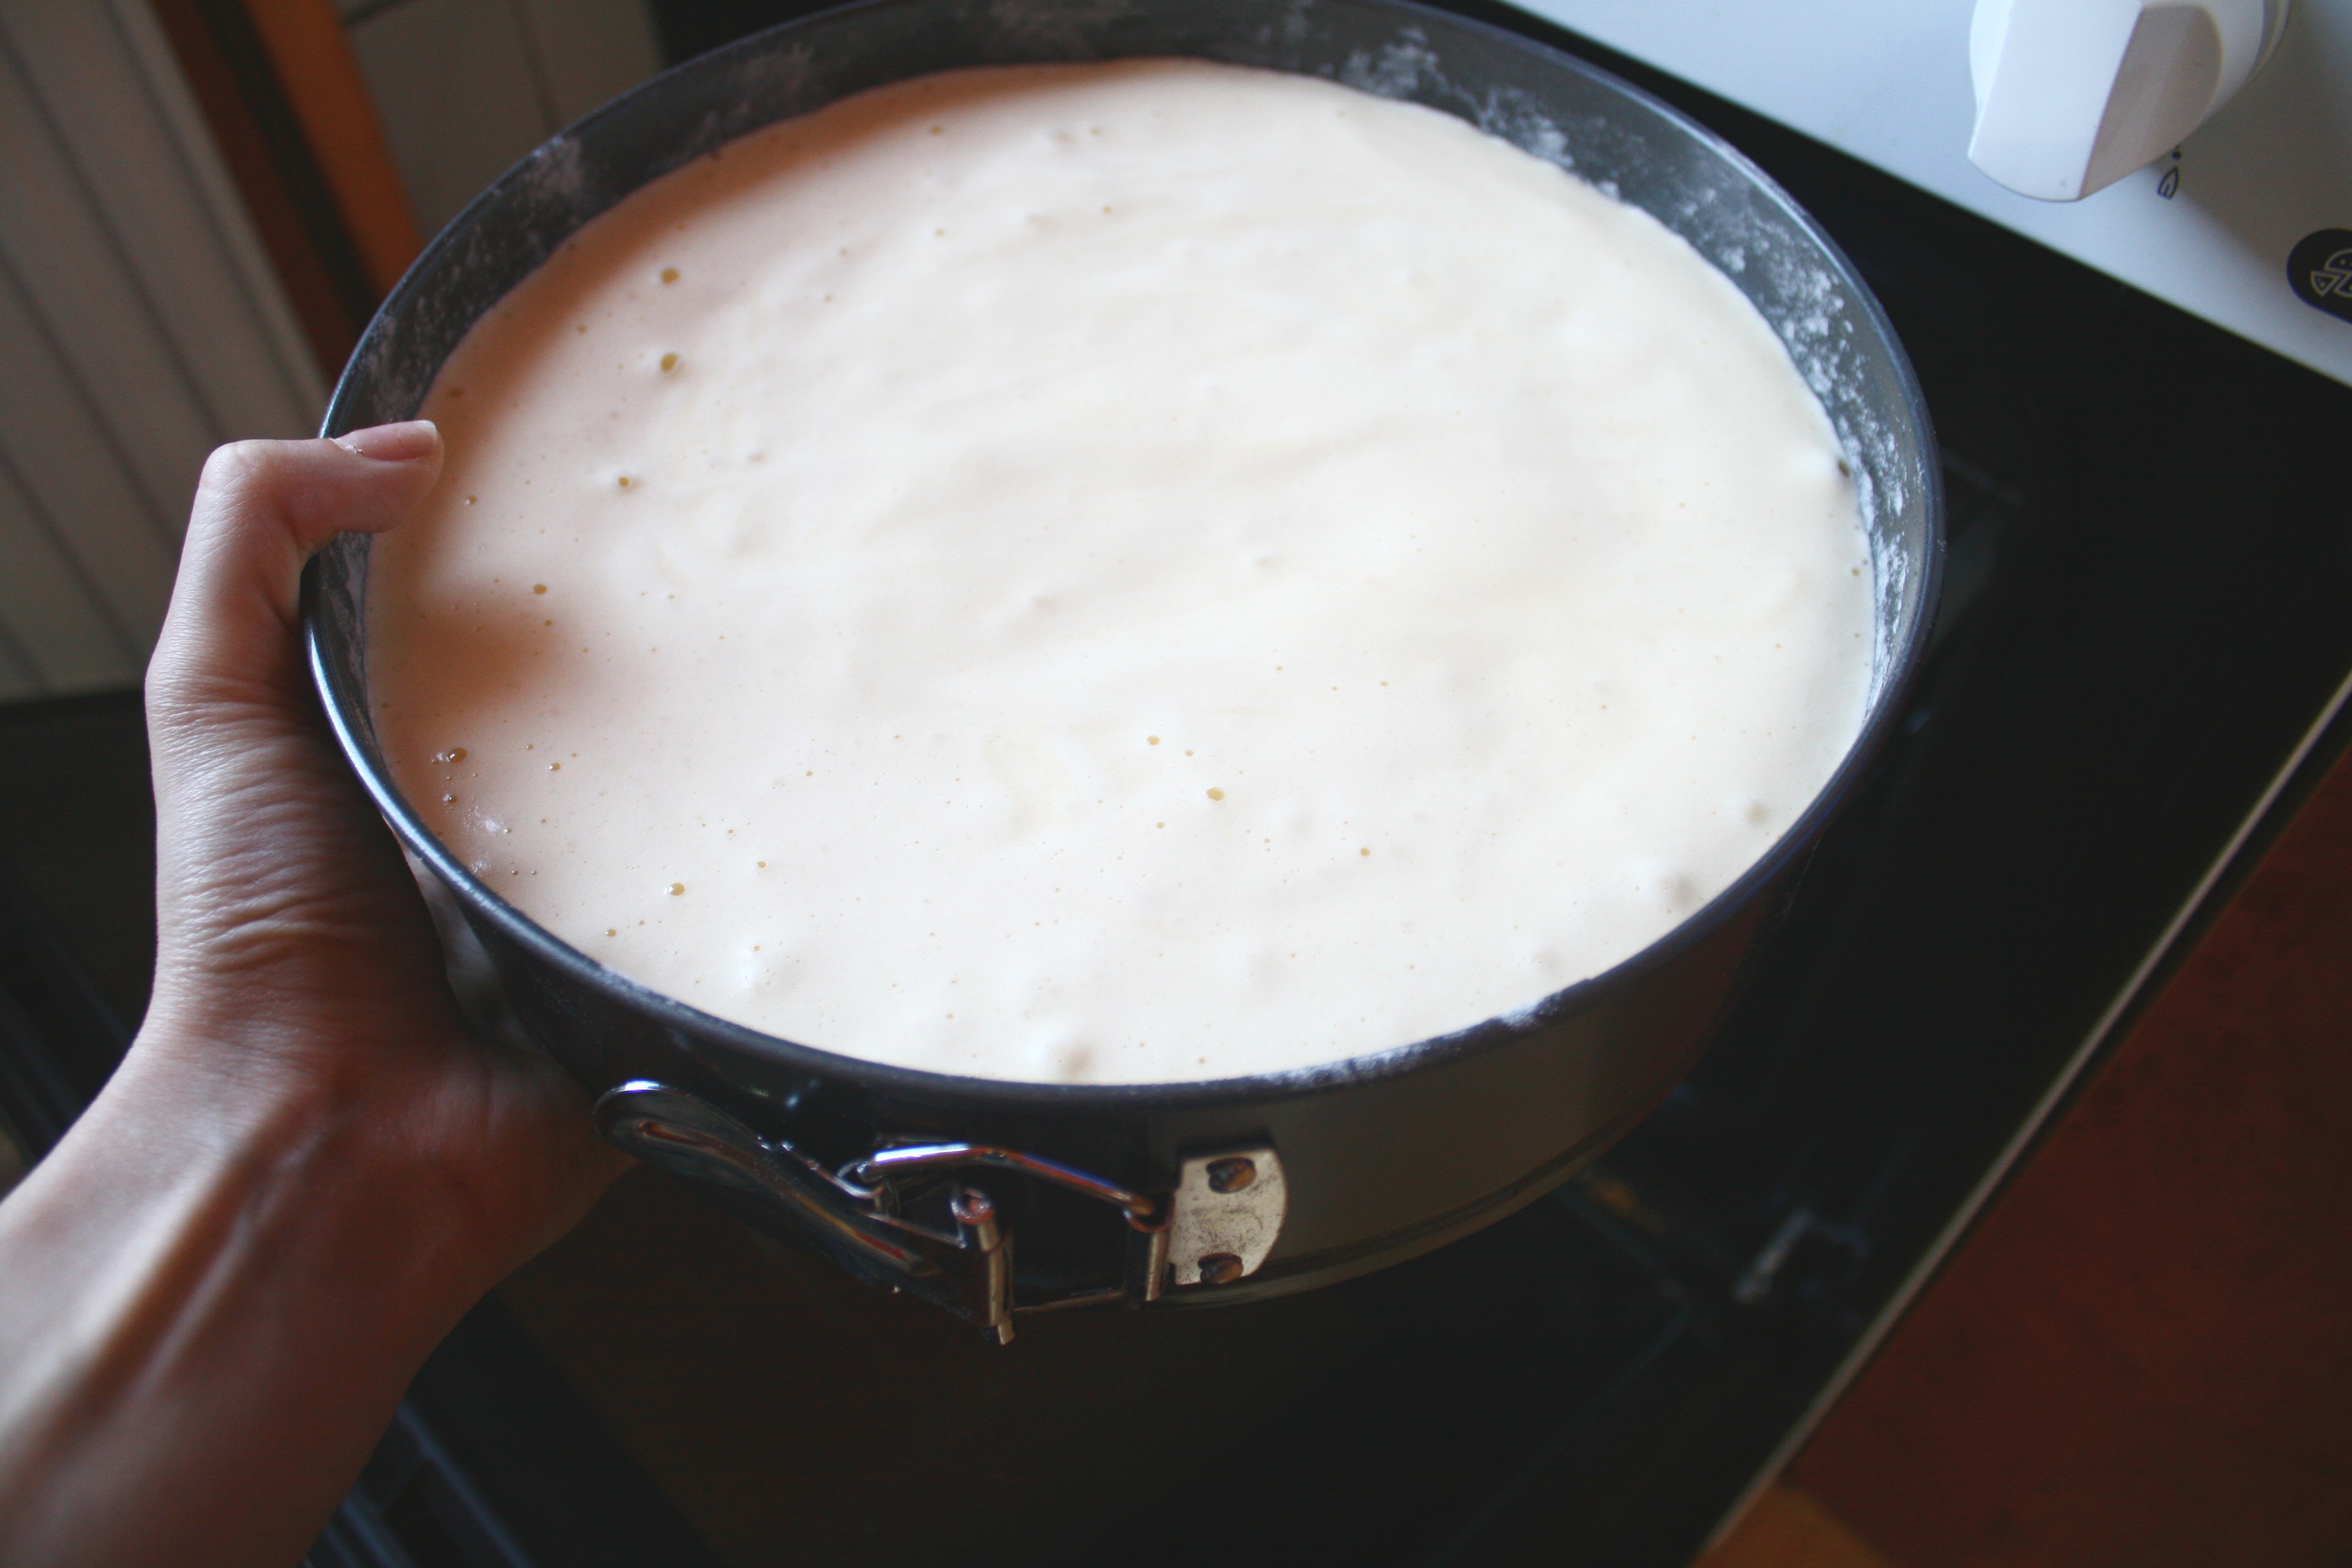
402 443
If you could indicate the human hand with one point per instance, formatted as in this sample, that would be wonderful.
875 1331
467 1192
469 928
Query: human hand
291 940
215 1289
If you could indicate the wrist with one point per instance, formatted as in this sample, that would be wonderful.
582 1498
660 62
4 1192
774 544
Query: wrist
323 1167
219 1290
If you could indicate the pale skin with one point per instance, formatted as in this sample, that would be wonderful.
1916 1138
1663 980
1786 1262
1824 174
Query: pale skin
215 1289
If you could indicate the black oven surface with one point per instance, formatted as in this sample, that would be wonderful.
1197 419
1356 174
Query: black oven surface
2143 623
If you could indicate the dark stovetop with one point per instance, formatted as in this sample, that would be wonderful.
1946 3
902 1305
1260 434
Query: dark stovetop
2144 619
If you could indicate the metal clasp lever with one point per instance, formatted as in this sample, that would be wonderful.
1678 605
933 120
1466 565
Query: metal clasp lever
968 1271
870 1174
1218 1227
851 1214
1147 1217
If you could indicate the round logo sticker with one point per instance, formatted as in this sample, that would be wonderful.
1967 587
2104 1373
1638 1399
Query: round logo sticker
2319 270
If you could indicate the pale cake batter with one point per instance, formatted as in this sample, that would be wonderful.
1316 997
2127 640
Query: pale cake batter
1120 573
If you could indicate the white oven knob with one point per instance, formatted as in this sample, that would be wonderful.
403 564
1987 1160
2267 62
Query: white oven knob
2072 95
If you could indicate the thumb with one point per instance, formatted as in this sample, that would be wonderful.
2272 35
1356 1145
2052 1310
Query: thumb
261 510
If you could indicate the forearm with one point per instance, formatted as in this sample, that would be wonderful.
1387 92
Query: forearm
216 1291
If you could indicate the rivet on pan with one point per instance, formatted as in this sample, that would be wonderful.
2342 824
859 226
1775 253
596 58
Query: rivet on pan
1220 1269
1231 1175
